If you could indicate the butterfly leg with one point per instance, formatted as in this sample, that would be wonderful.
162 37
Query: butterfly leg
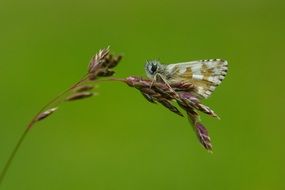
155 79
160 78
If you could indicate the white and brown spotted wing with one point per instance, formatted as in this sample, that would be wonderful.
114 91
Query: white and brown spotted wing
206 75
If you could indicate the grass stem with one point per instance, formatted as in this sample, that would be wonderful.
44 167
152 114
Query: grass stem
54 102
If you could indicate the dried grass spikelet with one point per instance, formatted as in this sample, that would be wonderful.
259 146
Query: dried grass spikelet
200 131
100 66
180 92
83 88
102 63
154 92
45 114
79 95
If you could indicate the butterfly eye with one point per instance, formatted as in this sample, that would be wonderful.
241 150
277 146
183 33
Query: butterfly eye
153 68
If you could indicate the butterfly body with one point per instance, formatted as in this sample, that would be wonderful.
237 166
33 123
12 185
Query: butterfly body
205 75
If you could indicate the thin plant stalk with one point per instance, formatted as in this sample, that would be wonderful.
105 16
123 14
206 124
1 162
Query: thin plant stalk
55 101
100 66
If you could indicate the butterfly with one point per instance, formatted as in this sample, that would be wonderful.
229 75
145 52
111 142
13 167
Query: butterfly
205 75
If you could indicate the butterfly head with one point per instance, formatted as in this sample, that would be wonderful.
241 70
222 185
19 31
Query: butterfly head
152 68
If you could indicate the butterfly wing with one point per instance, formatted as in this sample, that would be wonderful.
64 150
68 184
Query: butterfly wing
205 75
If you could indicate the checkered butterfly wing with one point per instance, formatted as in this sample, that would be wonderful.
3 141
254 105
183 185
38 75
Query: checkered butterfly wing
205 75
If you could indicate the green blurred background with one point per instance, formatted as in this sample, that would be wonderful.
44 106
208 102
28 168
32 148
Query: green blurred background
117 140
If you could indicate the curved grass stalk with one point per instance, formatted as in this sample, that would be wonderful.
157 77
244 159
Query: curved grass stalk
39 116
100 66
